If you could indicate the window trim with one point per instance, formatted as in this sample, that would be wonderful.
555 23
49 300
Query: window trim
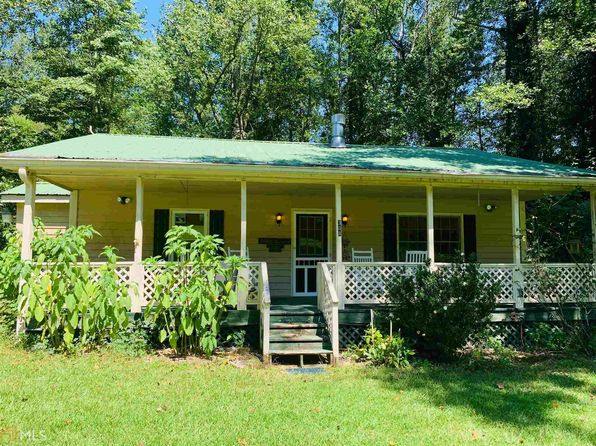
459 215
173 212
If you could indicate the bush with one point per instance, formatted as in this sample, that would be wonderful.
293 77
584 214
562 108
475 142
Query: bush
546 337
68 301
191 294
439 310
135 340
390 351
10 271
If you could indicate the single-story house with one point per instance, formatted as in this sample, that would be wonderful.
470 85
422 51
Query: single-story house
52 205
331 222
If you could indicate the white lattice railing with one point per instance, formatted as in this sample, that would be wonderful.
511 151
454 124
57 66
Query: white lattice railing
567 281
368 282
329 305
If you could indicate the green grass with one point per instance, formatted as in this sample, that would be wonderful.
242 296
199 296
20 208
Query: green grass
106 398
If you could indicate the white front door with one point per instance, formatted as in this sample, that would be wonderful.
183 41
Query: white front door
311 246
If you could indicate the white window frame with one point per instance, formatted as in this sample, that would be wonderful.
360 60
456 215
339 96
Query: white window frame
190 211
442 214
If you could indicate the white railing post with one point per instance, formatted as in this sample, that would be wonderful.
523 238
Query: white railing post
27 236
340 283
242 292
264 304
329 305
430 226
518 276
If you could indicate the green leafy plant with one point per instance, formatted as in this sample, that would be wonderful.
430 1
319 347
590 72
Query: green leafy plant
390 351
10 272
542 336
65 298
439 310
191 293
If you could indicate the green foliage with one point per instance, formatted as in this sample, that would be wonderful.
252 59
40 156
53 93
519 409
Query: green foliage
237 338
64 297
546 337
132 341
191 293
379 350
10 272
438 310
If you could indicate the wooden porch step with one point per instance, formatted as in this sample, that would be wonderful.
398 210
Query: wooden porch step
295 325
295 337
294 309
322 351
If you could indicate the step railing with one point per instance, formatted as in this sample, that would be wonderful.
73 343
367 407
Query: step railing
328 303
264 306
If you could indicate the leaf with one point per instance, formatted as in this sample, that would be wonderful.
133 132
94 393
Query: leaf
476 436
162 335
39 313
500 386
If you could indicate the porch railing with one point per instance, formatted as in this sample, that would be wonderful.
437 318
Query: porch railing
362 283
264 306
329 305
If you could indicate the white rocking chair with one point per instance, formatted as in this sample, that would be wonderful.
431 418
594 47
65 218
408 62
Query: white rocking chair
416 256
364 256
236 252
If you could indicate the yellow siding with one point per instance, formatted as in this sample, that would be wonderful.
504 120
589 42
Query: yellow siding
115 222
53 215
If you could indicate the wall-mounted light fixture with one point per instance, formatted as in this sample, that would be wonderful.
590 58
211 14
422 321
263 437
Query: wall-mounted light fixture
123 200
489 207
344 219
278 218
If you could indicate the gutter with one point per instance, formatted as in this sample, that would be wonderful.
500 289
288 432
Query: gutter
269 173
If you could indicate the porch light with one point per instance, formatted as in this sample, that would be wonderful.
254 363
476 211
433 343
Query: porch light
123 200
278 218
489 207
344 219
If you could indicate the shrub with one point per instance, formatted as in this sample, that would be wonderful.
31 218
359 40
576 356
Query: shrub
65 298
10 271
191 294
439 310
546 337
134 340
390 351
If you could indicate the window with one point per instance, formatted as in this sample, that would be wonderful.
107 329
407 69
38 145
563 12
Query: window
412 235
311 235
197 219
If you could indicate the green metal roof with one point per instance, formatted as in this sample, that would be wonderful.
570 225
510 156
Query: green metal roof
456 161
42 188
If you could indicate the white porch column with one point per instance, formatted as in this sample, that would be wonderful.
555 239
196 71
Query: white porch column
136 271
430 225
138 252
73 208
243 273
339 272
27 236
243 218
516 230
28 212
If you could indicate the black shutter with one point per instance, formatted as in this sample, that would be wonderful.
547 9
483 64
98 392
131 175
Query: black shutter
161 224
470 236
216 223
390 237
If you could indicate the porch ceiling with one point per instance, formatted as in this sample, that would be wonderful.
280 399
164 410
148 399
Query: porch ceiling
124 184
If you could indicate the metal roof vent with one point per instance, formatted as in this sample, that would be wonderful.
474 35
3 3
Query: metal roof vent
338 122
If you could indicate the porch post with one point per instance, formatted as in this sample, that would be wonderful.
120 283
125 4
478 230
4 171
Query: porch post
73 208
516 230
430 226
27 236
243 273
136 270
339 272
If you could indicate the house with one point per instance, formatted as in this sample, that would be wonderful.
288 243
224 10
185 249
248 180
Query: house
52 205
297 210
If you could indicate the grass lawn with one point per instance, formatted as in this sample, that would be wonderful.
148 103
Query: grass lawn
106 398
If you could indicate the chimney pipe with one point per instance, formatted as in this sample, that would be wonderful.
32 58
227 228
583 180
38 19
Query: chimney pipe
338 122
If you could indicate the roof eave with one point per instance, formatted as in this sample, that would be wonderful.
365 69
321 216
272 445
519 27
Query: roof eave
157 169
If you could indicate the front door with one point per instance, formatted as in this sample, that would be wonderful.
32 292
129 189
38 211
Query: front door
311 245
